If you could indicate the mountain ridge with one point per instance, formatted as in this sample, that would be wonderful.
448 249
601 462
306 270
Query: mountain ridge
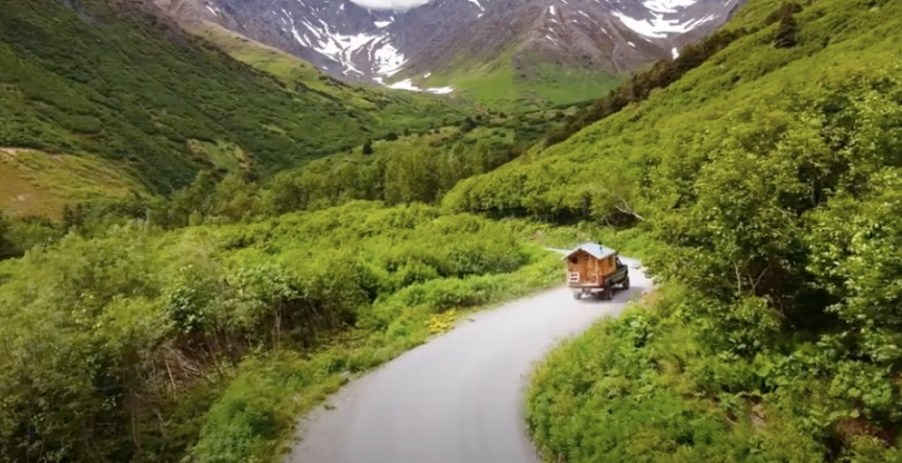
418 48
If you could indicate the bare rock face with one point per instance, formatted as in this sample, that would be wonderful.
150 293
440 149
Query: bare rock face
351 42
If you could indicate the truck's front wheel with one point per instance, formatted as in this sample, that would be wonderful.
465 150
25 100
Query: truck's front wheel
626 283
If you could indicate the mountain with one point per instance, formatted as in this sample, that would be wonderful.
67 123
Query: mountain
129 92
436 46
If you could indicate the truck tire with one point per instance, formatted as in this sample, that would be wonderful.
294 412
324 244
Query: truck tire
577 295
608 293
626 283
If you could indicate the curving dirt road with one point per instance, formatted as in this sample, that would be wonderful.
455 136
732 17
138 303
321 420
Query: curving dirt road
458 398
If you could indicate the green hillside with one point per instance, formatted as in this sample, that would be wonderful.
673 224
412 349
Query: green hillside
374 106
37 183
497 84
743 86
119 84
766 186
413 167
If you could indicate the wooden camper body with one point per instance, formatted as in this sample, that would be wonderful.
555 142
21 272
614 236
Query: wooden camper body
590 266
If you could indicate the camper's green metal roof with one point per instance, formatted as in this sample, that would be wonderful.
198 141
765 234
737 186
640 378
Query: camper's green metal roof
593 249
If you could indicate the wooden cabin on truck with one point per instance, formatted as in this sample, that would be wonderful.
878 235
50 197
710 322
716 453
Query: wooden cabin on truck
595 269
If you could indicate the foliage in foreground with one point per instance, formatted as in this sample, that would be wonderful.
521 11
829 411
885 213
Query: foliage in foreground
255 414
114 348
652 386
648 387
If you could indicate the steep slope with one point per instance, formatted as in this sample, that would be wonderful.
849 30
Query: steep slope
604 37
381 111
101 77
432 46
766 185
584 176
42 184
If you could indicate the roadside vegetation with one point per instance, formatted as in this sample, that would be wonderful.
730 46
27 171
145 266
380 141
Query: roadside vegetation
139 344
210 320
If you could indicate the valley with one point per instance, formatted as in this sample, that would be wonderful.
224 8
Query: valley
111 81
217 217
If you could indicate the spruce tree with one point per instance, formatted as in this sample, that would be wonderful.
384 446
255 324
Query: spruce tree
787 30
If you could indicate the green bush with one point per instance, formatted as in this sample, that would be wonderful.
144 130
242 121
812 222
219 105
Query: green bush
108 338
645 388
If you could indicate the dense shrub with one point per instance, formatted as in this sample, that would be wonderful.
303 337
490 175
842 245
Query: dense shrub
417 169
775 203
8 247
646 387
106 337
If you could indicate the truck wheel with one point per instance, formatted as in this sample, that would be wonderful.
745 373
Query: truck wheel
626 283
608 292
577 295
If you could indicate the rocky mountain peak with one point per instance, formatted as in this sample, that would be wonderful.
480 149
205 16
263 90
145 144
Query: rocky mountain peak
398 47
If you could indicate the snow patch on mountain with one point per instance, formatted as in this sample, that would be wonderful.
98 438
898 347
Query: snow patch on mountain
665 19
388 60
385 41
667 6
407 84
384 58
390 4
478 5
